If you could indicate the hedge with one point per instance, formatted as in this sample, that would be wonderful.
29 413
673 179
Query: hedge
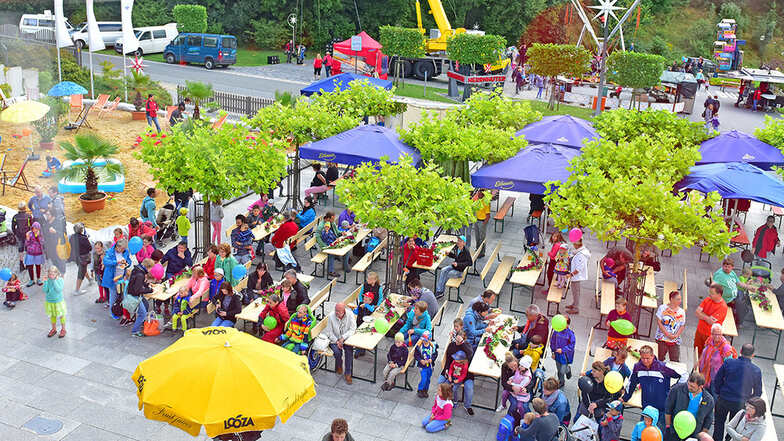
190 18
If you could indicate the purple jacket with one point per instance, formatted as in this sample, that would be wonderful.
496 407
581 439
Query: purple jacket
351 218
565 341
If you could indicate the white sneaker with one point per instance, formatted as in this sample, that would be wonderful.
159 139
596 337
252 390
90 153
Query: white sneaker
500 409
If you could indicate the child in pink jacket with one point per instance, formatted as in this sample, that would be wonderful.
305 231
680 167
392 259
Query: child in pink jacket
441 414
199 286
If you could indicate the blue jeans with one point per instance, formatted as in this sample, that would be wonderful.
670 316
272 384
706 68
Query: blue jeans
754 104
112 299
349 352
222 322
539 93
424 378
446 274
519 345
153 119
433 426
141 314
468 385
331 263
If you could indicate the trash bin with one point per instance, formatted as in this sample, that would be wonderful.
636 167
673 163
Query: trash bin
605 91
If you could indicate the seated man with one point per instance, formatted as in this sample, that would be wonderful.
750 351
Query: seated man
178 259
462 261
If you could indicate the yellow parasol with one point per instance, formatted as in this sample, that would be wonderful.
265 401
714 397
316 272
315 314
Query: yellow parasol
24 112
223 379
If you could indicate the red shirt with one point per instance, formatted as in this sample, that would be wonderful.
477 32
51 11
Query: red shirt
288 229
713 309
317 63
613 316
328 61
209 268
144 228
152 108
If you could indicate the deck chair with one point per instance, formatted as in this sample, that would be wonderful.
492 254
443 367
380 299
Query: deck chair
81 120
111 107
2 163
6 101
18 180
100 103
219 123
77 102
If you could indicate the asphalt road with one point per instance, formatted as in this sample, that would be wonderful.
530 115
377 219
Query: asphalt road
224 79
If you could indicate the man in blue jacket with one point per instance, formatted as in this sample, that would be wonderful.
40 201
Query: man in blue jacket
147 210
654 377
474 323
116 261
736 381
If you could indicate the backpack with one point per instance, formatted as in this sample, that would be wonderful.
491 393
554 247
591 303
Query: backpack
371 244
143 210
505 429
34 247
531 235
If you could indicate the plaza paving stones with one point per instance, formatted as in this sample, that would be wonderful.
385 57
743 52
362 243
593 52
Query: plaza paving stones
84 380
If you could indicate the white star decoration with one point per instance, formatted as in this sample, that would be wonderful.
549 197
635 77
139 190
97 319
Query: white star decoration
137 65
606 8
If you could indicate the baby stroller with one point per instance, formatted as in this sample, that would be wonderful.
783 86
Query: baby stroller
6 236
167 225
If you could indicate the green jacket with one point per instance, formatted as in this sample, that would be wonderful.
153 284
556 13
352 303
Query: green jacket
227 264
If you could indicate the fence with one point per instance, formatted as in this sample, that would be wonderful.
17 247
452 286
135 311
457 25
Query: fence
233 103
44 37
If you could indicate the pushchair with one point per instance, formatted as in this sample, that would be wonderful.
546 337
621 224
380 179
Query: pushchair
167 222
6 236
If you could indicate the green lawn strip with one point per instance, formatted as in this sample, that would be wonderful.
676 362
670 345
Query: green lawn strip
416 91
562 109
245 57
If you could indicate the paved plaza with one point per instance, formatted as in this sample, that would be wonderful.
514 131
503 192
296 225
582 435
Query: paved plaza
83 381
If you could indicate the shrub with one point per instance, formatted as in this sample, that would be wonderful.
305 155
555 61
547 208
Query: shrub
475 49
190 18
267 34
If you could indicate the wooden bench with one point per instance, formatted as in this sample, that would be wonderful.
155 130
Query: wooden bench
436 320
350 300
607 300
475 256
317 301
315 358
456 282
728 326
298 238
460 314
489 263
319 259
501 213
555 295
502 272
364 263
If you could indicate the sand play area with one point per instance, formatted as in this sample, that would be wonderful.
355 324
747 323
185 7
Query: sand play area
116 127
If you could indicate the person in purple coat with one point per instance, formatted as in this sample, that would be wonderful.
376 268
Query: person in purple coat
562 347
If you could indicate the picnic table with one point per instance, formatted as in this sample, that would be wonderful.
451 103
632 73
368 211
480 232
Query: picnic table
483 366
163 291
770 320
359 236
260 231
779 369
365 337
649 299
529 278
251 311
439 259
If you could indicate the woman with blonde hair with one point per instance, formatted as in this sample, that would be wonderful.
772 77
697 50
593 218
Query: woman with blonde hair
55 302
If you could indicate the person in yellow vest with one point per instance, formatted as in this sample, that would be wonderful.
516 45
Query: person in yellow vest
482 218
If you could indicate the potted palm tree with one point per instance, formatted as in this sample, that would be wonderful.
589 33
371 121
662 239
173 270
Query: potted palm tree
88 153
199 93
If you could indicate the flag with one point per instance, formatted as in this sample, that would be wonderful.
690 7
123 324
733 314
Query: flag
130 43
94 38
61 32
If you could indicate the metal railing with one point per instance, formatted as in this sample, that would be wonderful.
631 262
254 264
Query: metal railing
233 103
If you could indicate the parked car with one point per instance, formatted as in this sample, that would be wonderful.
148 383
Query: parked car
208 49
152 39
32 23
110 32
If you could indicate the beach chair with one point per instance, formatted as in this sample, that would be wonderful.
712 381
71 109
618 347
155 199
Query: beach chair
219 123
111 107
18 180
100 103
81 120
77 102
7 101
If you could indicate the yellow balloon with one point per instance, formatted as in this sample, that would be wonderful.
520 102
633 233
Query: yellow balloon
613 381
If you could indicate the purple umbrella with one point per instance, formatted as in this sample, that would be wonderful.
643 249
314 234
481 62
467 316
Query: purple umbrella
528 170
735 146
564 130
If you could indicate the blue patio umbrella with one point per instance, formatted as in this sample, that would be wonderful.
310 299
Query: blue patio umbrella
735 146
364 143
559 129
66 88
343 81
735 180
528 170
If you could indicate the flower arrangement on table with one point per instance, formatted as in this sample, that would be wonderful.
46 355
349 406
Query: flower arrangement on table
182 276
343 241
439 247
761 298
274 289
535 263
502 334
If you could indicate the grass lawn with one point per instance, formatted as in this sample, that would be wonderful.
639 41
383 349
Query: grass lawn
417 91
245 57
563 109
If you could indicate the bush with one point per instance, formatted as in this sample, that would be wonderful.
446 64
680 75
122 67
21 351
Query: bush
150 13
475 49
402 42
267 34
190 18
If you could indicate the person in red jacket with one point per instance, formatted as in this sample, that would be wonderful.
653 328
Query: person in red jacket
136 228
151 108
275 308
280 238
335 66
766 238
317 62
327 61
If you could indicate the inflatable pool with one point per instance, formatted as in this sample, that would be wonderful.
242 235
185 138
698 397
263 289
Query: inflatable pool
109 183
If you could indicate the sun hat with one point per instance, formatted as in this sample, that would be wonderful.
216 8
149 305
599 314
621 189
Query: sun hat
526 362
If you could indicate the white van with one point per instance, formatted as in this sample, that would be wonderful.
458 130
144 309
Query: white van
110 32
152 39
32 23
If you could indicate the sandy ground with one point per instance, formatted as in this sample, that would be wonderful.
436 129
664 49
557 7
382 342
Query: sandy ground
116 127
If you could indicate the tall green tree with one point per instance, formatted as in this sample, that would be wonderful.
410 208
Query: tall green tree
635 70
552 60
772 133
619 125
359 101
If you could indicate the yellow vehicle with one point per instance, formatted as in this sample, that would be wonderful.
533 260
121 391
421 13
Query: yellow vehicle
435 45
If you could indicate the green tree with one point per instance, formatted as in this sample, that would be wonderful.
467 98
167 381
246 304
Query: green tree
218 164
199 92
401 43
472 49
407 201
635 70
190 18
772 133
150 13
551 60
735 12
619 125
359 101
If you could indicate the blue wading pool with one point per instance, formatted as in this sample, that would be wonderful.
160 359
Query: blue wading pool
109 183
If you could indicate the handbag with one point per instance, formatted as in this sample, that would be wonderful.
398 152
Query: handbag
64 248
131 303
423 256
152 325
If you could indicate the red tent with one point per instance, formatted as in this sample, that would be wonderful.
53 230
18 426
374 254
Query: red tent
370 48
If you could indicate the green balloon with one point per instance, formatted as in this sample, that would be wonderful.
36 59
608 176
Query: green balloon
270 322
558 323
684 424
623 326
381 325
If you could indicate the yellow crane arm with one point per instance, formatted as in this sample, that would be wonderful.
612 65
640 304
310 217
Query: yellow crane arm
419 17
437 9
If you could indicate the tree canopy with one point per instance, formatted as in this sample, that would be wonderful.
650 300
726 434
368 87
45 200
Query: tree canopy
402 42
558 59
773 134
304 122
620 124
359 101
475 49
406 200
635 69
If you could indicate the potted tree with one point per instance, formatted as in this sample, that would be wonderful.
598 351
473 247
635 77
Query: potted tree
86 152
139 83
199 93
